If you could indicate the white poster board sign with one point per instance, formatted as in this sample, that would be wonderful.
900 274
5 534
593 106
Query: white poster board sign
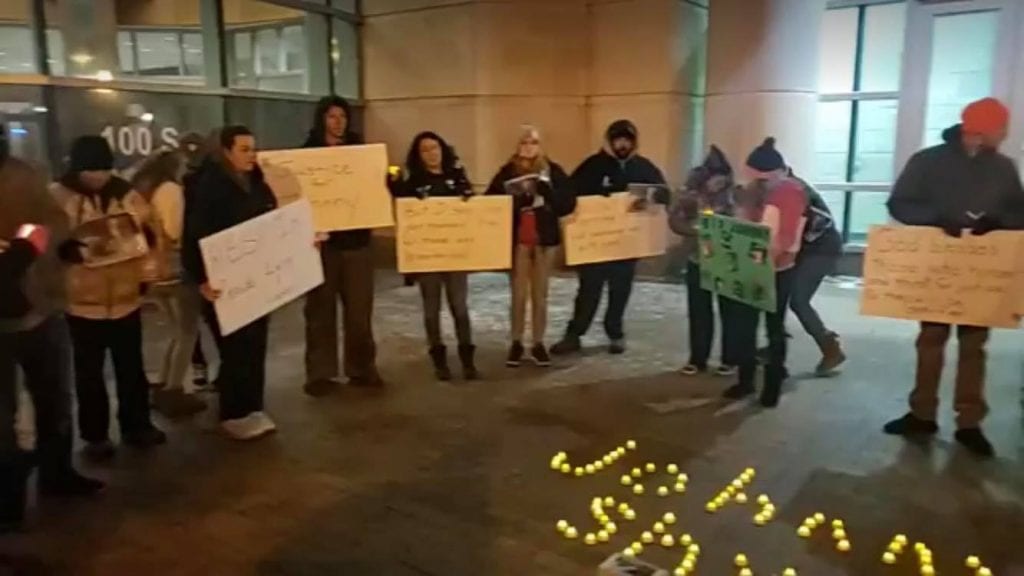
345 185
606 229
262 264
454 235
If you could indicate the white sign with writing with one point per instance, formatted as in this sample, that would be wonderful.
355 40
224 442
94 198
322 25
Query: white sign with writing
607 229
919 273
262 264
345 185
452 234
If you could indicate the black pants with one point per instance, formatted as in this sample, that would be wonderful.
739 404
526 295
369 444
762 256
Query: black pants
592 277
242 375
700 303
44 355
776 321
123 338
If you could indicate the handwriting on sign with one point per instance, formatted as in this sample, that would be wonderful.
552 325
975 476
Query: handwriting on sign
451 234
918 273
345 185
262 264
605 229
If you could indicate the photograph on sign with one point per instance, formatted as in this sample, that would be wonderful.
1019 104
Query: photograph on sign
111 240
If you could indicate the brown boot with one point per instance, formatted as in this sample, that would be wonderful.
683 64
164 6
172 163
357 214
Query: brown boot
832 355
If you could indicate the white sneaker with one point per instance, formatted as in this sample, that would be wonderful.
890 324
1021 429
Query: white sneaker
265 424
246 428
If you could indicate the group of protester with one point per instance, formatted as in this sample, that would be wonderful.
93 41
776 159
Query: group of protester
59 311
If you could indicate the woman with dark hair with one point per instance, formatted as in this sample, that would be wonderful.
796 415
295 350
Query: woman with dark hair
541 194
433 169
159 182
347 258
231 191
104 301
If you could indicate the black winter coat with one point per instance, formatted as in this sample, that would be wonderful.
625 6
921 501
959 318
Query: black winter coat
559 201
426 184
219 203
604 174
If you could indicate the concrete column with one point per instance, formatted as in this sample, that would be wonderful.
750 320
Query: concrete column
474 72
648 60
89 29
762 77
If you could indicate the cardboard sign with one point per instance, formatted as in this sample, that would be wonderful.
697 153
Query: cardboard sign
111 240
608 229
919 273
452 234
262 264
735 260
345 185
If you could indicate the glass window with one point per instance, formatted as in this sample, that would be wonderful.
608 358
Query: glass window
875 141
140 40
192 44
882 54
836 202
833 141
838 53
346 5
22 109
345 59
963 59
17 55
866 210
268 46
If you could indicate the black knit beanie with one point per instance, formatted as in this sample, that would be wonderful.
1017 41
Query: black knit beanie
621 129
765 158
90 153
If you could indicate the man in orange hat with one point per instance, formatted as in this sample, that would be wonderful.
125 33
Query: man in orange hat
963 184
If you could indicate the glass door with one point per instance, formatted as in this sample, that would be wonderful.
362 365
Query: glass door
956 52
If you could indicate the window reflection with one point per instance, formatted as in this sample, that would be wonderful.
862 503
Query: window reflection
268 46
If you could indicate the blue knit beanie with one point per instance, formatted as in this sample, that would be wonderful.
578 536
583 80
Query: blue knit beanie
765 158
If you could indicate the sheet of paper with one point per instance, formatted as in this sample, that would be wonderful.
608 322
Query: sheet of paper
345 185
919 273
262 264
605 229
450 234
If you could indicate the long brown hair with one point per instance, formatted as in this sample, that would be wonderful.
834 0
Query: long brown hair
164 166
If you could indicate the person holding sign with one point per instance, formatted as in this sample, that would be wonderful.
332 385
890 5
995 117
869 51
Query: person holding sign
33 337
348 276
962 184
612 169
709 189
232 191
104 296
777 201
541 195
433 169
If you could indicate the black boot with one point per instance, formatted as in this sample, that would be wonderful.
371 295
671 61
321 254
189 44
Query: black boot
467 352
773 378
439 356
14 474
57 477
745 386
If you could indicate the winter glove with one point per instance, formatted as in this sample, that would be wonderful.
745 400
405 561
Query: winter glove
70 251
952 230
984 225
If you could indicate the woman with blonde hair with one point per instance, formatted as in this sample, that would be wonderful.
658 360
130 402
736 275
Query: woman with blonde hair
159 180
541 194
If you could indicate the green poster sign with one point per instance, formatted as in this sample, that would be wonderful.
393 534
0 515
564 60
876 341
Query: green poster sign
734 260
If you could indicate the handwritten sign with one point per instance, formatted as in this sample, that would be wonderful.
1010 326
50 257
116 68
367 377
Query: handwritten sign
919 273
262 264
734 261
605 229
451 234
345 185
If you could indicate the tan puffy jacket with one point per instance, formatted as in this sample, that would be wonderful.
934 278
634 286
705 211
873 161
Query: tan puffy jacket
109 292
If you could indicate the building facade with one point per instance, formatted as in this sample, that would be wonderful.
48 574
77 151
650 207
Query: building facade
850 88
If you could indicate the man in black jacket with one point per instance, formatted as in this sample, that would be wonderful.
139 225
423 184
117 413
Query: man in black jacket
348 276
961 184
611 170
